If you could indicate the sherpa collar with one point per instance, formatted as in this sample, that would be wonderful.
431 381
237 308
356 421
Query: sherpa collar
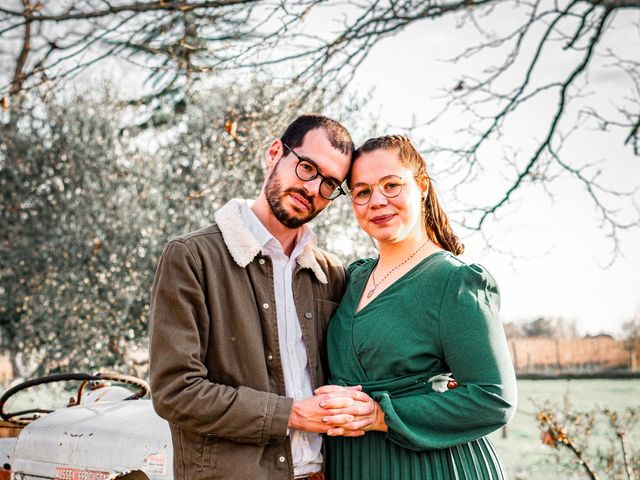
244 247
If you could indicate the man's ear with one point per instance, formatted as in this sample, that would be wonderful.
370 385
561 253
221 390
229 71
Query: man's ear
274 153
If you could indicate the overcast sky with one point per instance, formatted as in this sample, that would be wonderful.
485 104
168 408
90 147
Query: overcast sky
558 247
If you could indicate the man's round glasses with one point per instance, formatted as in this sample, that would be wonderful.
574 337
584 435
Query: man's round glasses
306 170
390 186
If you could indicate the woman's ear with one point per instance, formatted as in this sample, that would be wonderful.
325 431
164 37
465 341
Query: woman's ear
423 184
274 153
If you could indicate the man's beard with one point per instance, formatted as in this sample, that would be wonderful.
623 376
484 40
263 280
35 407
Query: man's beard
274 196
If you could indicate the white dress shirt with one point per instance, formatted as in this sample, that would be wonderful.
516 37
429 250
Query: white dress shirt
305 447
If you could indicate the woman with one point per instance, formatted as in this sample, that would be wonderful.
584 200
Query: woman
408 317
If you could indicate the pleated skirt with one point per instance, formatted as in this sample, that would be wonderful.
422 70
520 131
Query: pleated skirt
373 457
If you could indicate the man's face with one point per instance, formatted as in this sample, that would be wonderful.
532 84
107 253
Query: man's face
292 200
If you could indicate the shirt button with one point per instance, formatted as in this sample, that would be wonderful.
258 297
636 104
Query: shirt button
308 315
261 261
269 357
265 305
281 459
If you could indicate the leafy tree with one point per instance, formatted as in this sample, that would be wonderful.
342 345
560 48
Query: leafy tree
631 337
548 327
540 327
77 238
631 328
87 205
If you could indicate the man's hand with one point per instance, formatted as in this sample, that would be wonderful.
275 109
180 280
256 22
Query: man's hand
372 421
347 407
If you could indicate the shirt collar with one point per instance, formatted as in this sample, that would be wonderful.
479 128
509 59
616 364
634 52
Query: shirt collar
243 245
268 243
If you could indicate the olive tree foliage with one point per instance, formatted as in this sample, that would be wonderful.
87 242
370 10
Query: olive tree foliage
72 229
89 202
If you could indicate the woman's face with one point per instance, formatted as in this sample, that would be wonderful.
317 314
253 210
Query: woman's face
388 220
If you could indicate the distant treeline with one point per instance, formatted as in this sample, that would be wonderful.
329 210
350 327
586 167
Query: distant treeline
548 346
599 354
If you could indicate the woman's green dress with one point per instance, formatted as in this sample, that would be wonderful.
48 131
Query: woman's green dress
441 316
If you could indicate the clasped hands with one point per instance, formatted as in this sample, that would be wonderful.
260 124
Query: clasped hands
336 410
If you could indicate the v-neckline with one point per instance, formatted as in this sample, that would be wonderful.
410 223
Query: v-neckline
389 286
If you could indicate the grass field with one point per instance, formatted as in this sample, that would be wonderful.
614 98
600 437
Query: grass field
524 455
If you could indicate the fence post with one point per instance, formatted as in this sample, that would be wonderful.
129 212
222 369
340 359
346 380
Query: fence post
514 352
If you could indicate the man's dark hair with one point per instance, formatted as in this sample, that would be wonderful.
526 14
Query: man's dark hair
338 135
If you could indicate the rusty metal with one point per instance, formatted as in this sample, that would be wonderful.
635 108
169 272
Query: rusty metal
19 417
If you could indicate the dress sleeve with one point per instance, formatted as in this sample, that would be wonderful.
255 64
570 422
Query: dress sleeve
474 346
181 391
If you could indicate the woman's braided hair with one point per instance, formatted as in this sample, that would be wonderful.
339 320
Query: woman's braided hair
435 218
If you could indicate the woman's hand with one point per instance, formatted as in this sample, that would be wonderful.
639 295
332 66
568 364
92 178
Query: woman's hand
361 423
340 406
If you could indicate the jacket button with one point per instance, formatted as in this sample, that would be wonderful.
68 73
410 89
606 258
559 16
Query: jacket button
261 261
265 305
269 357
281 459
308 315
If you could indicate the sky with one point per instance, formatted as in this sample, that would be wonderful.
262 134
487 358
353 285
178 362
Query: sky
553 252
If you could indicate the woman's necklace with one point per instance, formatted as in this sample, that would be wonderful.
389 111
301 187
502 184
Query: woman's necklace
373 273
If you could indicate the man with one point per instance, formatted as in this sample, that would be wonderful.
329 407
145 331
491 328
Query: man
238 315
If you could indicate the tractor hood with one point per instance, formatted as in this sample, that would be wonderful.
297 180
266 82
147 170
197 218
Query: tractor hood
95 441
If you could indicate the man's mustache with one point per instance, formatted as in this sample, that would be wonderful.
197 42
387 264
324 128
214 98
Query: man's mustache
303 194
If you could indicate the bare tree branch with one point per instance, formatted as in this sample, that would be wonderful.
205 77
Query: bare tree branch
19 75
545 145
32 14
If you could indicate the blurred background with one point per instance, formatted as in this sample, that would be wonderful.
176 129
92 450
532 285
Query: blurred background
125 123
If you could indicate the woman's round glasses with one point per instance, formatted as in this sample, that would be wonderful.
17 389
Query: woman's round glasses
390 186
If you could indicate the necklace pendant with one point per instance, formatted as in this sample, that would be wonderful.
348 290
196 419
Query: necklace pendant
370 293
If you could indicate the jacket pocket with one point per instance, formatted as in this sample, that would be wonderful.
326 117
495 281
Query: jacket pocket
209 452
325 309
241 461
